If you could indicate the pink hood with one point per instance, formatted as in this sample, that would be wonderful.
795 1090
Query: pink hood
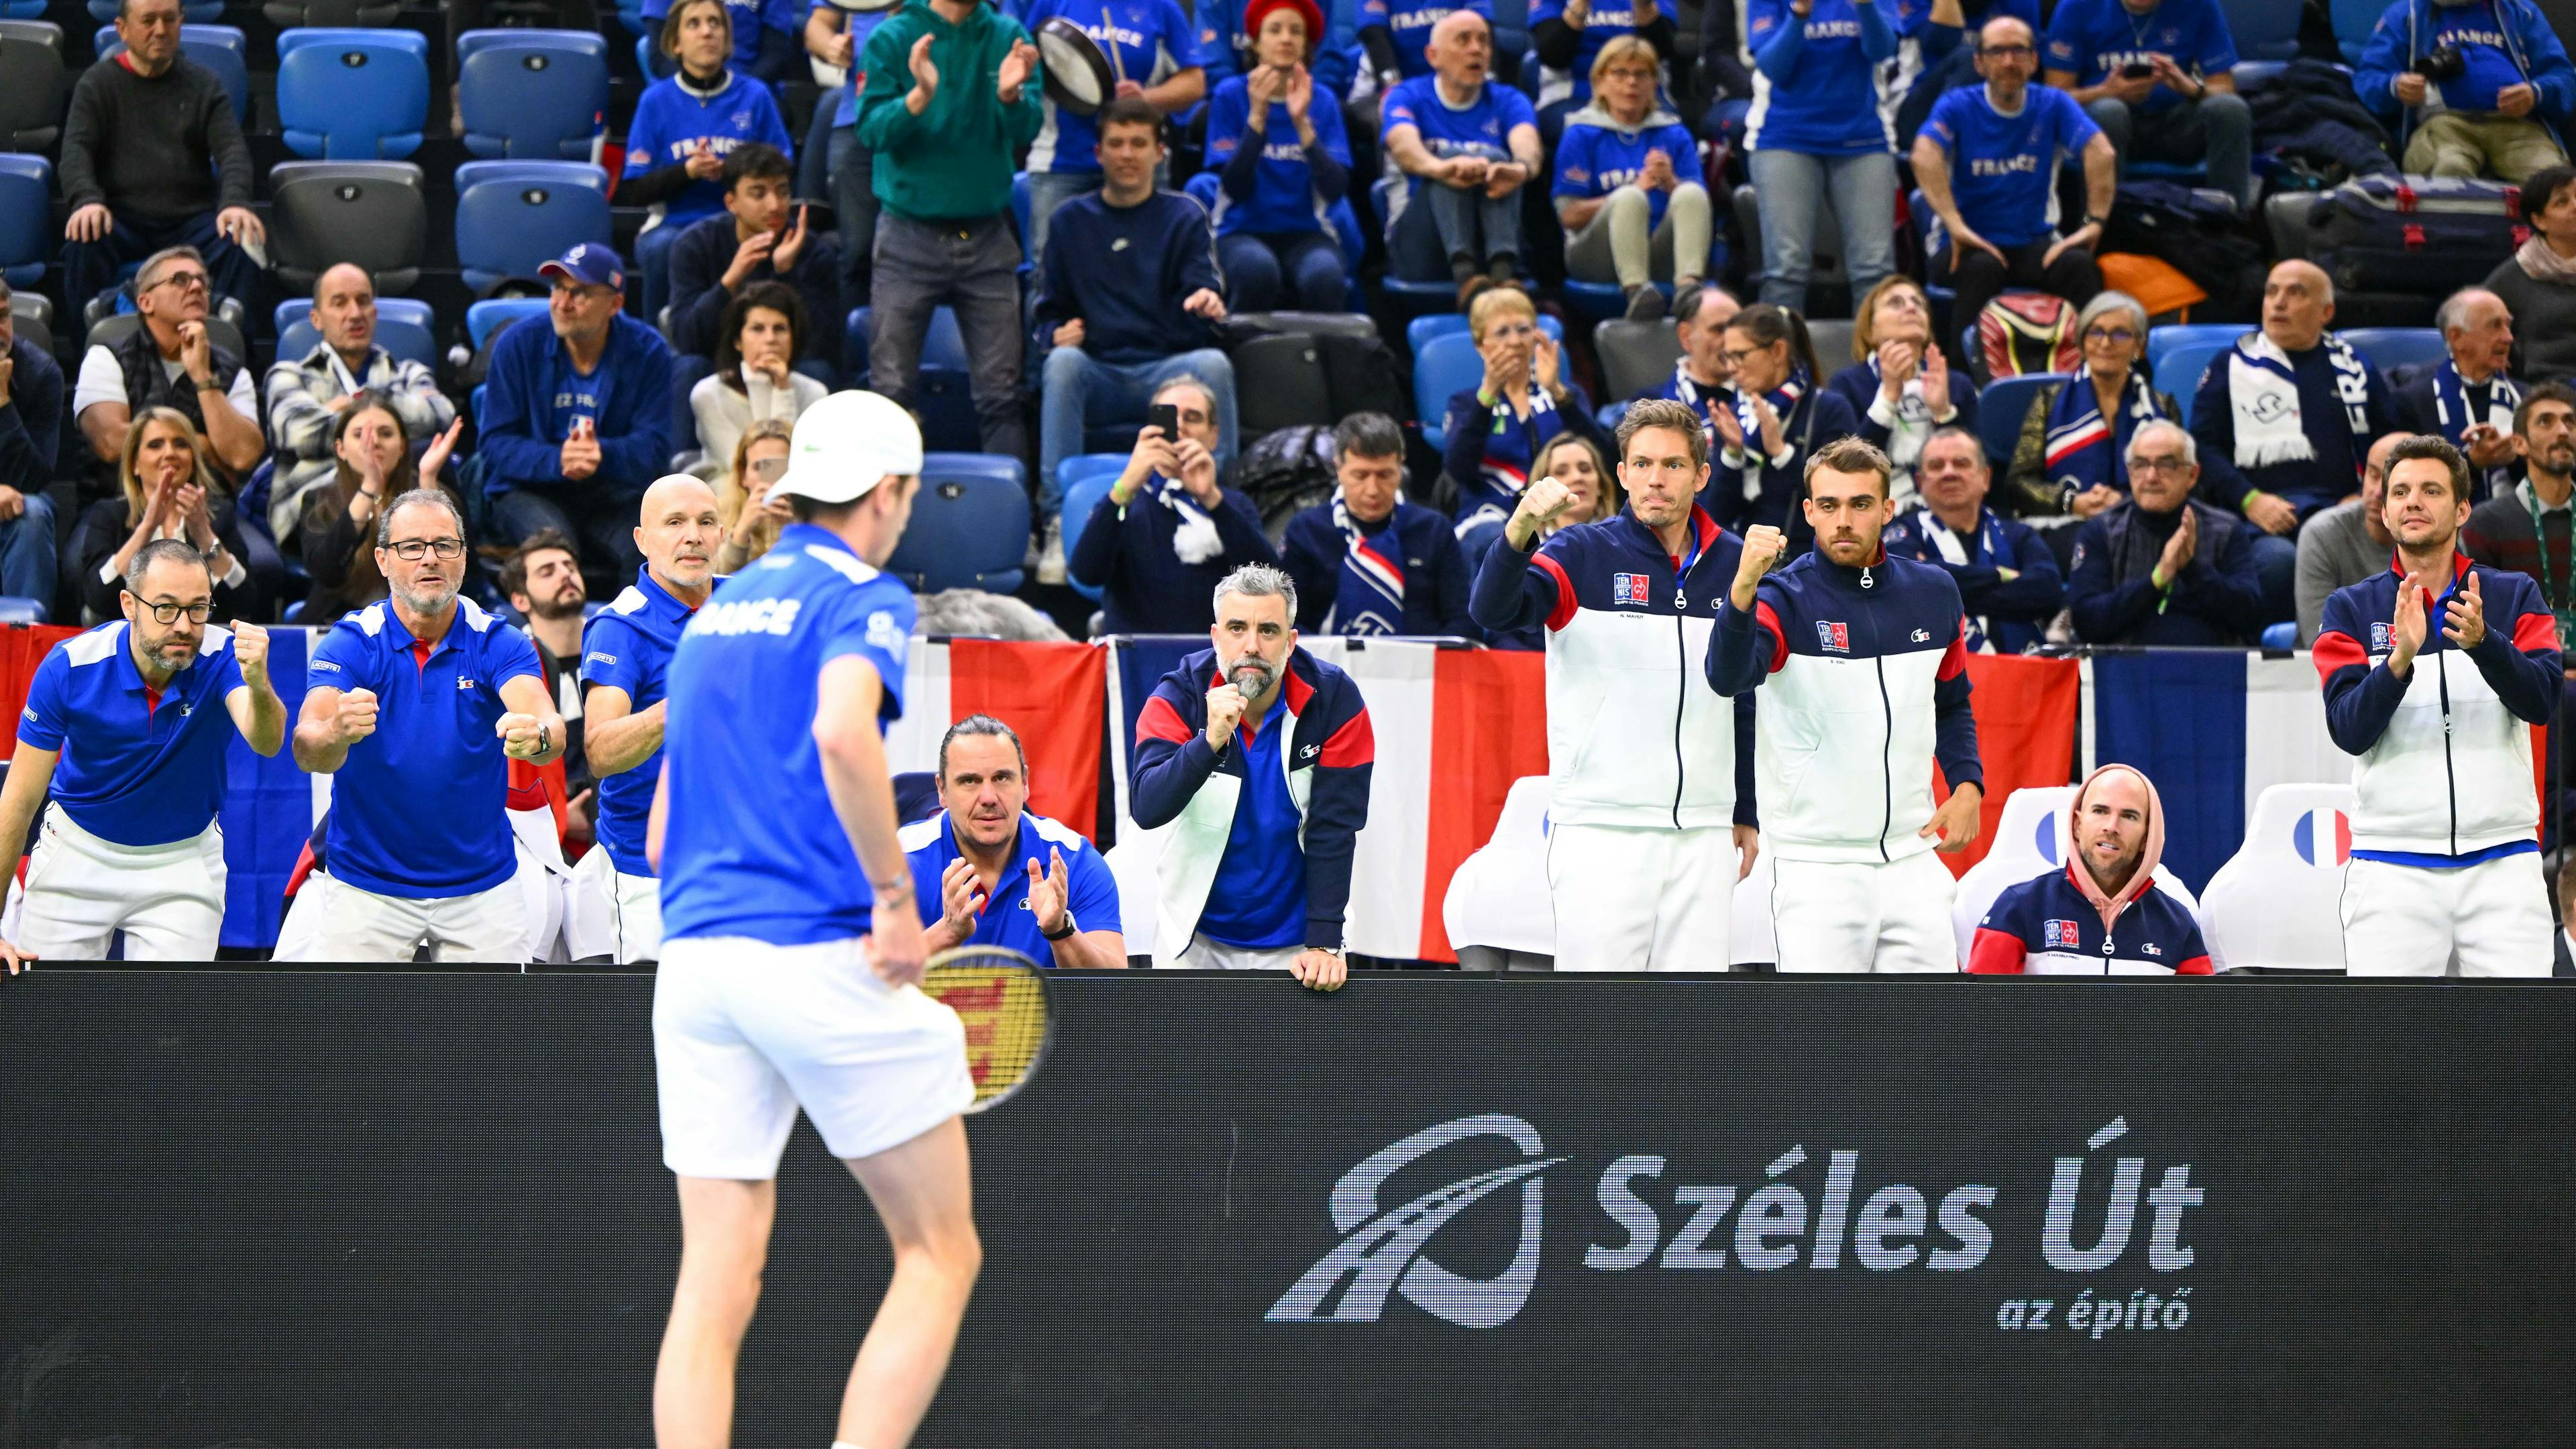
2141 879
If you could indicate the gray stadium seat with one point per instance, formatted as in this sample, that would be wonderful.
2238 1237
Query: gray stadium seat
371 213
1279 383
2285 216
355 14
31 315
1636 357
1833 339
31 85
224 331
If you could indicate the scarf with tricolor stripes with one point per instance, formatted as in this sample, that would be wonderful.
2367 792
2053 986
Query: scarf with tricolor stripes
2084 448
1370 596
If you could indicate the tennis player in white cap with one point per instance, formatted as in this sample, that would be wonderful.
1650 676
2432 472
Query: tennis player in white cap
791 944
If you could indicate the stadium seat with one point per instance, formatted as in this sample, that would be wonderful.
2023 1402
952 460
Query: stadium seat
337 14
191 12
2030 838
2276 904
482 319
22 9
2001 405
1636 357
405 327
353 94
2180 371
372 213
1598 302
2283 636
1498 900
2263 29
2390 348
31 85
514 216
1832 337
970 525
1440 324
224 331
1445 365
2353 22
2285 216
1279 383
31 316
1408 298
222 49
27 234
532 94
1086 480
944 395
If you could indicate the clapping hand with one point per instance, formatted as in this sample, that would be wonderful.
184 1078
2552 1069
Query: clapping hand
1301 94
435 456
1016 69
2465 617
1896 363
1547 365
925 71
1047 892
961 900
2406 624
581 450
703 163
2179 549
1204 303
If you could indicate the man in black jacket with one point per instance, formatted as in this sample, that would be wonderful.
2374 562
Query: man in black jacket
758 240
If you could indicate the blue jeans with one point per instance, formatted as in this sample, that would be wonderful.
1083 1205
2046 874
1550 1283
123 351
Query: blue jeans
1300 268
600 523
1452 229
28 562
653 260
2217 133
1080 391
2276 562
1791 187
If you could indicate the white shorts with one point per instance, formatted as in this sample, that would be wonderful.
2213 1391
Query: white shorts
335 921
81 890
1877 916
745 1032
1202 954
639 917
1642 899
2412 920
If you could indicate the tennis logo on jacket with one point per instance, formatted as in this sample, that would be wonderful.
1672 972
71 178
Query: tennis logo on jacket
2059 933
1628 589
1832 637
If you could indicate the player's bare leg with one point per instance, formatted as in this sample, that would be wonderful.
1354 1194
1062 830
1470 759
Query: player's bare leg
924 1193
724 1241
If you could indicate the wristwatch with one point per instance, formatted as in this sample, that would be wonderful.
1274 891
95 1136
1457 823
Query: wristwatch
1070 926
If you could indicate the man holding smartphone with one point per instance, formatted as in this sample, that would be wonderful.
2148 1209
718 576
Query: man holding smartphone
1169 530
2158 77
2469 401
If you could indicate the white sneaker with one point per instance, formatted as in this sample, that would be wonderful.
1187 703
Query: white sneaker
1051 553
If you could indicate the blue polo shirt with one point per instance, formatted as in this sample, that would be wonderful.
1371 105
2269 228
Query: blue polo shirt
1258 900
1090 891
1144 40
2003 169
1482 128
1594 160
134 769
419 809
751 846
628 646
1409 25
2095 37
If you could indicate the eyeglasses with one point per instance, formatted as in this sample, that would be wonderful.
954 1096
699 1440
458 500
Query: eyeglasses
411 550
2174 466
2009 50
169 613
2116 336
184 281
1629 73
1740 356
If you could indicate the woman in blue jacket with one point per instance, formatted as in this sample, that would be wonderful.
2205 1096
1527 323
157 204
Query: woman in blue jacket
1815 131
1281 162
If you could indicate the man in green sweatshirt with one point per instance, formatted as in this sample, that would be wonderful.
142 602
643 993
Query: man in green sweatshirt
951 95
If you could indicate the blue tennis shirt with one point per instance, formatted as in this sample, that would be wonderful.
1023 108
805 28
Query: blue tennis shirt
135 769
1090 891
751 845
628 646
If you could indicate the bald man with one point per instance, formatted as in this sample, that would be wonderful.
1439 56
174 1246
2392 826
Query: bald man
1466 147
307 394
625 661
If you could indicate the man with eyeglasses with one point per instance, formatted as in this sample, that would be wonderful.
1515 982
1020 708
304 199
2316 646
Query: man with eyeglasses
1158 543
2164 567
126 729
1987 161
415 705
171 361
307 395
153 158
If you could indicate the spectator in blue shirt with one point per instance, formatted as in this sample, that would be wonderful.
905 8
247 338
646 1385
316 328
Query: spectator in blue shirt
684 127
2158 76
1154 55
1466 147
987 872
1629 186
31 429
1397 36
1568 36
2164 567
577 417
1930 61
1130 288
764 38
1815 132
2007 578
2502 111
1281 162
1367 562
1987 162
1169 530
1496 429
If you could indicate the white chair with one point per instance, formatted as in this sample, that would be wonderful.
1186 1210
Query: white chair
2031 838
1498 900
1135 862
2276 903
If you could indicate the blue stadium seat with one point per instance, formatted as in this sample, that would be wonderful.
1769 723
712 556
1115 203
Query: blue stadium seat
350 14
2394 347
2353 22
513 216
2284 635
1020 216
1444 365
405 327
2180 372
1440 324
191 12
353 94
2163 341
22 9
482 319
2263 29
944 396
222 49
26 217
1602 301
537 94
2000 406
970 525
1087 479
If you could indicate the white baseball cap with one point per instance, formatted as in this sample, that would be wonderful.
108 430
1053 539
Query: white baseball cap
847 444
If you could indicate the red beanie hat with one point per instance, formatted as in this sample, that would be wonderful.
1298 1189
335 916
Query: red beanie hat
1259 10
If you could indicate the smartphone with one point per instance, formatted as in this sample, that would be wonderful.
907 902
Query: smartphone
1167 417
2136 70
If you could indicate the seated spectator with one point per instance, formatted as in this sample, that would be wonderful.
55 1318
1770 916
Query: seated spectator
2007 578
1901 384
1169 529
755 378
1928 49
2284 420
751 518
2073 457
684 127
758 241
991 872
1987 161
1369 562
1130 290
1592 495
336 518
577 415
1815 132
1571 37
2347 543
764 39
171 361
2123 925
2164 567
1629 188
1704 378
308 396
2159 78
542 580
1782 415
168 488
2469 400
1496 427
1465 147
1154 52
1275 239
31 410
152 159
2499 108
2526 528
1397 38
2538 282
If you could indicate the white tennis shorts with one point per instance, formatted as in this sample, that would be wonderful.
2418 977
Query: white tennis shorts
745 1032
1881 917
82 889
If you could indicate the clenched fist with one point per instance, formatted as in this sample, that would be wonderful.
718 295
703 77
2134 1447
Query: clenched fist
522 738
356 718
250 652
1542 503
1763 546
1225 710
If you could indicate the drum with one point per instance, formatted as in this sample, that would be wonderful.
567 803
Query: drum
1078 76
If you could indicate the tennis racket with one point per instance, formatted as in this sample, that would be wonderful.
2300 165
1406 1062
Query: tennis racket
1001 995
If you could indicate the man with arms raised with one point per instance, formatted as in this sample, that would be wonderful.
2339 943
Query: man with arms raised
1862 662
2101 914
790 948
2435 672
1650 773
990 873
117 727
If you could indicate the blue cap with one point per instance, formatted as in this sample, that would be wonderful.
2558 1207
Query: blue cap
589 263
